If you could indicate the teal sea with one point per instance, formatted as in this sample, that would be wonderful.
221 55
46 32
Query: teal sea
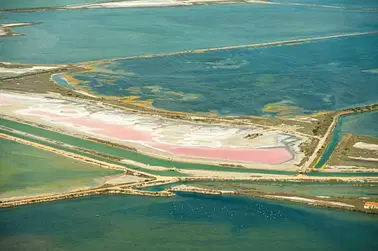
186 222
86 35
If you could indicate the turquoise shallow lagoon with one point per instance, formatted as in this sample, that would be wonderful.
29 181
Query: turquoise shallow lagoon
84 35
187 222
270 81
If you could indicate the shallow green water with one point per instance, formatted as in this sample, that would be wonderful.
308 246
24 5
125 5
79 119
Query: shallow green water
365 124
85 35
25 170
187 222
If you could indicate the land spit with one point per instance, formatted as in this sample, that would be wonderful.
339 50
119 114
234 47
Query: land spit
351 204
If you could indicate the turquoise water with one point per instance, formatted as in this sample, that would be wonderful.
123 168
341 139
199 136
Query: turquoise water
254 81
187 222
20 4
365 124
344 3
60 80
74 36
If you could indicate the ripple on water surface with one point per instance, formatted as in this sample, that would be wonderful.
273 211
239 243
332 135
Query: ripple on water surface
272 81
88 35
186 222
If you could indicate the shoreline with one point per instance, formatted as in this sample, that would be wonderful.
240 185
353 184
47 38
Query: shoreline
315 201
121 4
6 30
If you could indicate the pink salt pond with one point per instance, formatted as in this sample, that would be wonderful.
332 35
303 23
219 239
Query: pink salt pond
276 155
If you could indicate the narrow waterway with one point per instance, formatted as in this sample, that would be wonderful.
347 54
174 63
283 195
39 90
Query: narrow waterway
364 124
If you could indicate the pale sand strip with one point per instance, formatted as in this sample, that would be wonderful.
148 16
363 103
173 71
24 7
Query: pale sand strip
366 146
271 43
5 29
361 158
26 70
159 3
310 201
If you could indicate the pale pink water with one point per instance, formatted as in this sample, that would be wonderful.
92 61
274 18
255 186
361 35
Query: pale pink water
276 155
4 102
129 133
99 127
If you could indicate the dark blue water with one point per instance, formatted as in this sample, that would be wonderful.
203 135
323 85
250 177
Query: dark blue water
186 222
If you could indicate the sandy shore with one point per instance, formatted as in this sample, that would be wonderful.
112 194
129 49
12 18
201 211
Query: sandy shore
6 29
310 201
